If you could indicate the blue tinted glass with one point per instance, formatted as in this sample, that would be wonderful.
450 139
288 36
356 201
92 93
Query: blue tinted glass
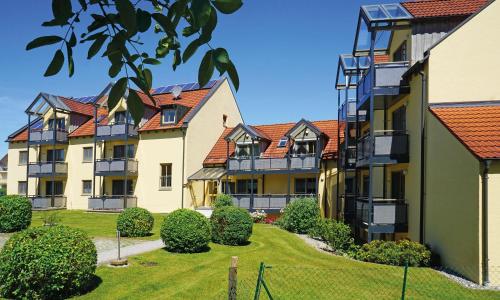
396 11
375 12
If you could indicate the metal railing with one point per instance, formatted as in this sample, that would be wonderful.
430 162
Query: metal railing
385 143
44 169
116 130
306 161
48 202
46 136
386 75
347 157
348 110
115 165
385 211
112 202
265 201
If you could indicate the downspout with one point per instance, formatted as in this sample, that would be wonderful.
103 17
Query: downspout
183 159
484 209
422 157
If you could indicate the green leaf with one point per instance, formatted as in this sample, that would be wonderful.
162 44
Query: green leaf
135 106
165 23
206 31
115 69
233 74
56 64
71 63
140 83
43 41
190 50
117 92
143 20
201 11
96 46
72 40
206 69
161 51
151 61
227 6
62 11
189 31
177 59
83 4
148 77
221 56
128 19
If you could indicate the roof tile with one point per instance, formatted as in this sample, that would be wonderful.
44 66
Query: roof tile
443 8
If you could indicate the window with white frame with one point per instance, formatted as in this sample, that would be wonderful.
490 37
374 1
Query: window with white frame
88 154
22 187
23 157
86 187
168 116
165 176
304 147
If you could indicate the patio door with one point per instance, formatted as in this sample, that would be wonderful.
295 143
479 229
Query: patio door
117 187
58 188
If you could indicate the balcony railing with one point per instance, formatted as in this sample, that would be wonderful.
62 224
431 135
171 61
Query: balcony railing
40 136
116 131
385 212
388 78
47 202
348 203
267 202
348 157
386 147
111 202
115 166
299 162
47 169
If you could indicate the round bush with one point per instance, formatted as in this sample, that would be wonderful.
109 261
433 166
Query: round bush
185 231
336 234
231 225
15 213
300 215
47 262
135 222
395 253
223 200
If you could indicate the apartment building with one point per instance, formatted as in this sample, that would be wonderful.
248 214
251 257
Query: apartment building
77 153
3 172
265 167
418 106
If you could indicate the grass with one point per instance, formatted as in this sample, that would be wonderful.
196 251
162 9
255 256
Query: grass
298 272
93 223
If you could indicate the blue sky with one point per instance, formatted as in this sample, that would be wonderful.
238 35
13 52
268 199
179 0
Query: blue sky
285 52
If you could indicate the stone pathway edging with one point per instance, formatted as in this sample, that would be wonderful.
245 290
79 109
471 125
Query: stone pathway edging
104 257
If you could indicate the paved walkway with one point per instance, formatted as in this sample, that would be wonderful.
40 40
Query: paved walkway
104 257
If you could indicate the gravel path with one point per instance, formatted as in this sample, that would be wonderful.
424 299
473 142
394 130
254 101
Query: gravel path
104 257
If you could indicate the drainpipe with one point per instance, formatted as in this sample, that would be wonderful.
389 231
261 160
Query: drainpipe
486 277
183 159
422 157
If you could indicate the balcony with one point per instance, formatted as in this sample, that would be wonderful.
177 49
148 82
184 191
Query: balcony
348 112
47 202
118 131
111 203
115 167
388 215
388 78
386 147
44 137
347 157
300 163
47 169
266 202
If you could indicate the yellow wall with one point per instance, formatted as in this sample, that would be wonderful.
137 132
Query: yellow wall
464 67
17 172
452 204
398 37
494 222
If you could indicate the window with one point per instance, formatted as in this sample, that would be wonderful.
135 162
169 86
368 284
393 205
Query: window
245 150
165 176
118 186
88 154
399 119
305 186
304 147
244 186
121 117
58 188
86 187
400 54
22 187
282 142
119 151
366 186
398 185
168 116
60 123
55 155
230 187
23 157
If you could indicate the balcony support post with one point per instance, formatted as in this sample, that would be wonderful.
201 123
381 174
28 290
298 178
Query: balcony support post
54 137
125 164
288 166
95 151
337 210
28 154
373 35
228 192
252 168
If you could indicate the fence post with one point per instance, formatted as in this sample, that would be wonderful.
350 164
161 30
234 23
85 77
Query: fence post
259 279
404 281
233 280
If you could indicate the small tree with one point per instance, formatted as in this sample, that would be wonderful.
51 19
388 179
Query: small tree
300 215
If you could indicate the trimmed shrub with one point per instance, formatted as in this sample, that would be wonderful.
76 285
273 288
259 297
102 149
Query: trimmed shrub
15 213
335 234
231 225
135 222
185 231
395 253
223 200
47 263
300 215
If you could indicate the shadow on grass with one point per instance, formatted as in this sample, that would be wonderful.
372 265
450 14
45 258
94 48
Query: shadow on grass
202 250
93 284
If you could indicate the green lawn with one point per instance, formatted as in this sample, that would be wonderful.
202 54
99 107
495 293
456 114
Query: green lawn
95 224
298 272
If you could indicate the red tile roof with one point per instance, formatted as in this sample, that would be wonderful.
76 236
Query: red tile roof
78 107
275 132
88 128
477 127
443 8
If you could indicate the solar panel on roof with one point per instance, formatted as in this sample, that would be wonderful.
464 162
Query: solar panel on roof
37 125
185 87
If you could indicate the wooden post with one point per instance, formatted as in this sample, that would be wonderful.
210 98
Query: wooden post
233 281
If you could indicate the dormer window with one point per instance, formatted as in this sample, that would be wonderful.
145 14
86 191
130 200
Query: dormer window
168 116
121 117
245 150
304 147
60 124
282 142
